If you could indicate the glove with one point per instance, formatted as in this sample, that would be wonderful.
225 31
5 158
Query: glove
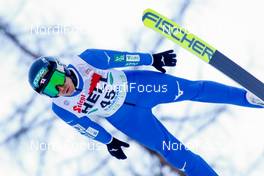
165 58
114 148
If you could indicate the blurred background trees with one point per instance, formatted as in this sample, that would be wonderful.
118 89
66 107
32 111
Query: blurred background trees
34 142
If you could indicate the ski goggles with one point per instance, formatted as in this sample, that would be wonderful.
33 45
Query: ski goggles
57 78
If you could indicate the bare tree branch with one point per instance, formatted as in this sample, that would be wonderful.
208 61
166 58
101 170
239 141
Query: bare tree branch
5 28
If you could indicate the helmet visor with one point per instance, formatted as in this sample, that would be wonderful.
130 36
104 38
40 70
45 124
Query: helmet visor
57 79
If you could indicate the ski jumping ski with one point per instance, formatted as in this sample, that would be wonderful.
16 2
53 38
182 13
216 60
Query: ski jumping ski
203 50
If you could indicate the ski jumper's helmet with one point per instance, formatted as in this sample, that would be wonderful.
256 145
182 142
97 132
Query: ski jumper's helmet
46 74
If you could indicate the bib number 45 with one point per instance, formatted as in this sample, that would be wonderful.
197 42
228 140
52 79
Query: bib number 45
107 98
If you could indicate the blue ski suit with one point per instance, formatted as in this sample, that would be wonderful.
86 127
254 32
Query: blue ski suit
129 109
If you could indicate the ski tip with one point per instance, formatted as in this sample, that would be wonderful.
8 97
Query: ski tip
148 10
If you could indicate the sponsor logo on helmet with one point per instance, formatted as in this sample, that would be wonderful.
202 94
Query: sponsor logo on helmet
44 60
43 81
39 76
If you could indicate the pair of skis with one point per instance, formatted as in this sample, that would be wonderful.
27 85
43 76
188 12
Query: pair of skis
203 50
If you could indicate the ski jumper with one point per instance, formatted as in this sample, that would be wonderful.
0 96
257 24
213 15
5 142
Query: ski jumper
126 98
